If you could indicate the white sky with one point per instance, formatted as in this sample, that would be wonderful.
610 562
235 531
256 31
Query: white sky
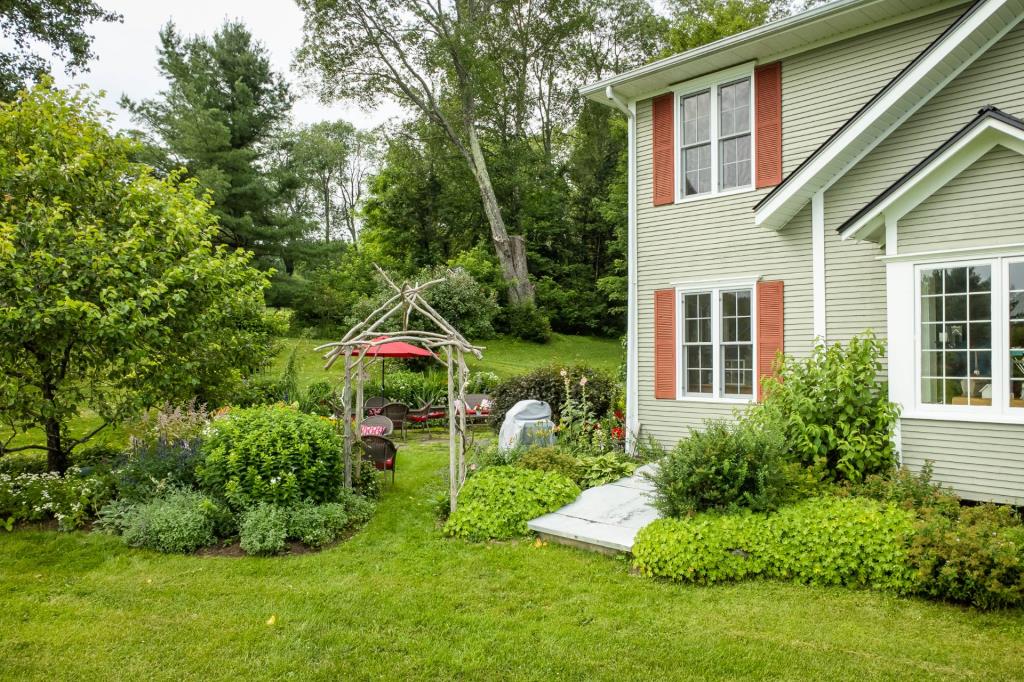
126 53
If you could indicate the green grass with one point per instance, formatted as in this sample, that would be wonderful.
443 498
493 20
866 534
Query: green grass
505 357
398 601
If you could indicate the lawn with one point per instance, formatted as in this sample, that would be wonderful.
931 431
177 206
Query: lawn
400 601
505 357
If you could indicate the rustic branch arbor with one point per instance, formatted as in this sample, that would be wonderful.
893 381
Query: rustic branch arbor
373 331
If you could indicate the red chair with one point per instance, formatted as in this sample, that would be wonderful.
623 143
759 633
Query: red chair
382 452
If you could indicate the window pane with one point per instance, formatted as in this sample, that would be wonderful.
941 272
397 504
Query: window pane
931 282
728 303
697 168
734 163
1017 335
1017 276
696 118
956 363
980 335
931 309
955 281
931 336
931 391
956 308
979 278
980 307
1017 306
955 335
734 108
931 363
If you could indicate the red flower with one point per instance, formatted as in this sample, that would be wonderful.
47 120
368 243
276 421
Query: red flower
619 415
617 432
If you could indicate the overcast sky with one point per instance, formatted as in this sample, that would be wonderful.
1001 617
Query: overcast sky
126 52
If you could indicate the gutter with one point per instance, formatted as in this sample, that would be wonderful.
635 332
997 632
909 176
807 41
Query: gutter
632 354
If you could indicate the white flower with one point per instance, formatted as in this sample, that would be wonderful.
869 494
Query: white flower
583 381
564 373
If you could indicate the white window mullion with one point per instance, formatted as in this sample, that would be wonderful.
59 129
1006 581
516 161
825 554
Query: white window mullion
716 347
713 109
1000 338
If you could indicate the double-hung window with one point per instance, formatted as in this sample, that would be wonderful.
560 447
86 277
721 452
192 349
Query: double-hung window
971 336
717 339
716 124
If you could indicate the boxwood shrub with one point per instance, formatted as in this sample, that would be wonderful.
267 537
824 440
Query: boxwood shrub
497 502
276 455
823 541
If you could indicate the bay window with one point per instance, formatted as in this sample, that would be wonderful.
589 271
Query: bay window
716 140
717 343
971 336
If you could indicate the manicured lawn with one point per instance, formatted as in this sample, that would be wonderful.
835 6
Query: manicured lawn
398 601
504 357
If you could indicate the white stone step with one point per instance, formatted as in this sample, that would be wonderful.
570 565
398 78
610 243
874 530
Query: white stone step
605 518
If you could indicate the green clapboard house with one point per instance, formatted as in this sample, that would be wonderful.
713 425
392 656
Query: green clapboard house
856 166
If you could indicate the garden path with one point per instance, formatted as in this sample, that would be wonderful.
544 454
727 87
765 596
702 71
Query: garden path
605 519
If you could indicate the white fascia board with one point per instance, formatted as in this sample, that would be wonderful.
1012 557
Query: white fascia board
896 105
939 172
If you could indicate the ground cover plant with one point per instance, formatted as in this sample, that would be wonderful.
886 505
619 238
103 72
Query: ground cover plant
508 610
497 502
824 431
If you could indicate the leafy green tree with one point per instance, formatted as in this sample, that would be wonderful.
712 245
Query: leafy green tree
59 25
112 296
366 49
218 118
698 22
334 162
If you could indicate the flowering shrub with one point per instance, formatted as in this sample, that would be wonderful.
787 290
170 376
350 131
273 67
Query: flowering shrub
70 499
272 454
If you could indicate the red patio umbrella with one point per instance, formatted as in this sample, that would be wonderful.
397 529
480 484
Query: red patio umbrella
394 349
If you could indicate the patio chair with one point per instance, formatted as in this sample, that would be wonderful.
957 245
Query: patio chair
479 407
398 414
421 414
377 425
373 405
382 452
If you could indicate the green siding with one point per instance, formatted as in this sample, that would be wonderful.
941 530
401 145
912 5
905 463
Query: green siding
979 461
983 205
822 88
708 239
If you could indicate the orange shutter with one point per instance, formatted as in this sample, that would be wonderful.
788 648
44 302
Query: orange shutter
665 344
770 328
768 124
664 153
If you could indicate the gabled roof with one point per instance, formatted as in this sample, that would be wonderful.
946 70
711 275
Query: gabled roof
986 130
985 22
829 21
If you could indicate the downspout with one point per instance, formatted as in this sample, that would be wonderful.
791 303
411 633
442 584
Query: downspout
632 356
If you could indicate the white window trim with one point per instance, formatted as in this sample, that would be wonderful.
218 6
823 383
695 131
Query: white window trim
1000 410
711 83
715 288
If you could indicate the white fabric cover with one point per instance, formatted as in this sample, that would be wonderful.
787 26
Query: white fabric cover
527 423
